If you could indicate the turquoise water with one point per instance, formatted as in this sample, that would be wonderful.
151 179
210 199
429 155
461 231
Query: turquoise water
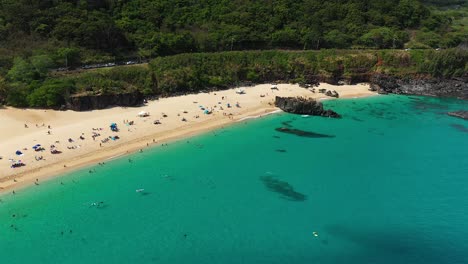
390 185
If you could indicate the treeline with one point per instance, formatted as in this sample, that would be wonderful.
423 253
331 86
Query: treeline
87 31
27 83
445 2
195 72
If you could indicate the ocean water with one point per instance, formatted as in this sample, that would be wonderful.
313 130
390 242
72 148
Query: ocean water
387 183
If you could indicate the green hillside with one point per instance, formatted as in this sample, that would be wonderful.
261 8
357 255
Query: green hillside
101 30
37 36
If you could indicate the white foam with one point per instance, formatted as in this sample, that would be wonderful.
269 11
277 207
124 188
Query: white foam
257 116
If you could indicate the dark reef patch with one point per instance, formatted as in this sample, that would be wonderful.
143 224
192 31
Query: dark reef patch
428 105
283 188
302 133
460 128
357 119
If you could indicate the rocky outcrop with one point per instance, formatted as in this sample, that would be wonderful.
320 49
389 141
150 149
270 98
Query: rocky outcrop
456 87
332 93
460 114
303 106
90 102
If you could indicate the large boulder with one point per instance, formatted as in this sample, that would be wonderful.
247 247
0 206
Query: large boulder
303 106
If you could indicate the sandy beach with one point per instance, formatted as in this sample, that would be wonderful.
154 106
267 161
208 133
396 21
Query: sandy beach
84 138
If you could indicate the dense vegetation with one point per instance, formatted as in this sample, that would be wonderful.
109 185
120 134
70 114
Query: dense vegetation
83 31
37 36
187 73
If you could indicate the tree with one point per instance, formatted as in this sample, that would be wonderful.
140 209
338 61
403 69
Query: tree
410 13
52 93
336 39
41 64
384 38
22 71
71 56
3 90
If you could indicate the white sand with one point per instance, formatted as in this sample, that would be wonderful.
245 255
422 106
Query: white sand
68 124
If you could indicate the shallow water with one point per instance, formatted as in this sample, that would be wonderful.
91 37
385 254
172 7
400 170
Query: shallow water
390 186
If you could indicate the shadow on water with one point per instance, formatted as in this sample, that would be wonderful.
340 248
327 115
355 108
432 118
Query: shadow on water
357 119
302 133
460 128
395 247
283 188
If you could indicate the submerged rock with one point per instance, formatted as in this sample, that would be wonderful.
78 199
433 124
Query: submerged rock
283 188
460 128
303 106
302 133
460 114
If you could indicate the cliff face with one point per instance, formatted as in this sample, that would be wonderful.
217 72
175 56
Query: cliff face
457 87
302 106
90 102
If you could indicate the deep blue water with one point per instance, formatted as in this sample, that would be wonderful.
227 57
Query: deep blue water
388 185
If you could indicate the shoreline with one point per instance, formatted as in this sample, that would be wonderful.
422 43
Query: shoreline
253 106
55 170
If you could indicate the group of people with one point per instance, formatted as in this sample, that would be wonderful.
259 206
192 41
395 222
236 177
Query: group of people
96 132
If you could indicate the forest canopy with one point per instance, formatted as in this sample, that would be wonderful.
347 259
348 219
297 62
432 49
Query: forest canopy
101 30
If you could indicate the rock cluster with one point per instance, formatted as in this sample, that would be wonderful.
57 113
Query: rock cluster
456 87
332 93
303 106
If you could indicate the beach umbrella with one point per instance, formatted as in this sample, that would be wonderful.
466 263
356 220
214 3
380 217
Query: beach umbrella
19 153
143 113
